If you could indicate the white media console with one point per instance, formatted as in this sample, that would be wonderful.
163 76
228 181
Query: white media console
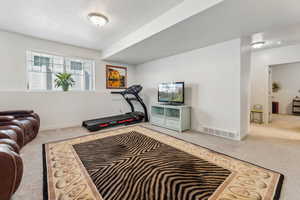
177 118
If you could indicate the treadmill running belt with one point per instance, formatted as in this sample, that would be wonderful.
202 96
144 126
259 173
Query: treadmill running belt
107 119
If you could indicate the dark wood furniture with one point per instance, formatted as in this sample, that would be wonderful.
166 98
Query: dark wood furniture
296 106
275 107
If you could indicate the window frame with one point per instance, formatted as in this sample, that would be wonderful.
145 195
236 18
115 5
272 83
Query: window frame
82 60
64 57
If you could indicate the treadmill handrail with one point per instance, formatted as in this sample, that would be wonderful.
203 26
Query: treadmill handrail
117 92
133 99
137 98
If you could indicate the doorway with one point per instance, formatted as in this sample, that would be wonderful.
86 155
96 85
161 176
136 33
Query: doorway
284 100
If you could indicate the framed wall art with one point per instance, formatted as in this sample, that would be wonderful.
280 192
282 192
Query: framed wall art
116 77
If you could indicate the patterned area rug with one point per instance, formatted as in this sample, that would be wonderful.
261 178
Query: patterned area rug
136 163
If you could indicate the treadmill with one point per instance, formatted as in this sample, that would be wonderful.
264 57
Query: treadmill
130 94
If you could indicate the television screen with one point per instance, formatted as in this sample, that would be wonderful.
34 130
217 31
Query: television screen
171 92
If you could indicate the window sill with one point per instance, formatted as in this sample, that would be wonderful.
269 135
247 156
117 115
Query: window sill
71 91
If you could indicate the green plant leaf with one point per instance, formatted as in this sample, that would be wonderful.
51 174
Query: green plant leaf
64 80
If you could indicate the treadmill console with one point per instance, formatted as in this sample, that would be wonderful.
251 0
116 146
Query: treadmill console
135 89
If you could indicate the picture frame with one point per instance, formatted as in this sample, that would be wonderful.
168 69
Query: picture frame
116 77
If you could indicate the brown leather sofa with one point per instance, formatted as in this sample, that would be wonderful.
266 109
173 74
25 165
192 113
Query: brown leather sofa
26 120
17 128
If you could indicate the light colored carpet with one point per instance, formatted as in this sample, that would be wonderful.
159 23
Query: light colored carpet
272 153
282 127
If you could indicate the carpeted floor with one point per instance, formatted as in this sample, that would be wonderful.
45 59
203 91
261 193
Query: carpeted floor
280 155
281 127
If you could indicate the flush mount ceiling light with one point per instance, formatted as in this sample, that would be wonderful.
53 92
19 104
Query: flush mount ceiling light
258 45
98 19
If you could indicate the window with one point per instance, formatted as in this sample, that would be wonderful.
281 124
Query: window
42 69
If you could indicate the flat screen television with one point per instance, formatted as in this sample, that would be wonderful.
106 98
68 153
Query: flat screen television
172 93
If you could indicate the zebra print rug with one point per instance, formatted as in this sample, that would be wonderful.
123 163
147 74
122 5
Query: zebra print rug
136 163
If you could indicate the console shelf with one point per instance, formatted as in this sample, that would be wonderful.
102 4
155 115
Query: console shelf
177 118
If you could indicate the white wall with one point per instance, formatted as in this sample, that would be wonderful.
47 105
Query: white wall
260 62
288 77
245 85
57 109
214 84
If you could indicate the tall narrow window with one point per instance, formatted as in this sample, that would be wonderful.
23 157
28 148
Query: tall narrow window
82 72
42 70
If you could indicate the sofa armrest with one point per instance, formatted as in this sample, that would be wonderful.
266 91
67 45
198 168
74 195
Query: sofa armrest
11 171
11 143
6 118
16 112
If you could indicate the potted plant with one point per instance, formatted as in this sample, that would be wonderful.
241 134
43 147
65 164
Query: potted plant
64 80
275 87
